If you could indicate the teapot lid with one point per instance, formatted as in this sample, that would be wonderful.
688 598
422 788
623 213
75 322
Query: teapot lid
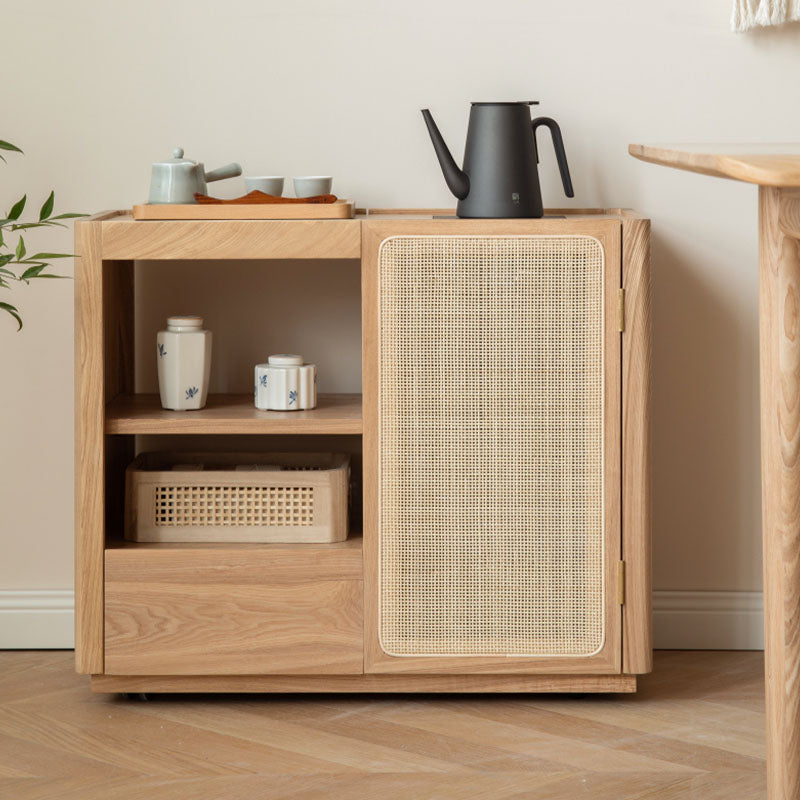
177 158
509 103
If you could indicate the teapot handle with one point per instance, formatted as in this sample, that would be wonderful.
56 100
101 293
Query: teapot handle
558 146
228 171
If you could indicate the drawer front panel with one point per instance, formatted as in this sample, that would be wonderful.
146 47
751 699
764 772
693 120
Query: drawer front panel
230 624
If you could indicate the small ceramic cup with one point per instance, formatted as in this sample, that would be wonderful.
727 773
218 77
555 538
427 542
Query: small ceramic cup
269 184
312 185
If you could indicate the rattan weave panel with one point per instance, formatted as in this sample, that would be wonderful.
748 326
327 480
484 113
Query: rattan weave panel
231 506
491 445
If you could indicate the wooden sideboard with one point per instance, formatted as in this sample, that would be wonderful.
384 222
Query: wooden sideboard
548 587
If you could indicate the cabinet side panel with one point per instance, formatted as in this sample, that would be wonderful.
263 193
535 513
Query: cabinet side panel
118 322
89 450
636 501
371 237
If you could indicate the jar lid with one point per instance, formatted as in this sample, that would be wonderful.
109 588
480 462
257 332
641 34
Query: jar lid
285 360
185 321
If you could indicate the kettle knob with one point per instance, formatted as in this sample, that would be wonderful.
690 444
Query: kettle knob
177 152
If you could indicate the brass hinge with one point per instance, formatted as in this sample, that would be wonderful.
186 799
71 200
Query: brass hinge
621 310
621 583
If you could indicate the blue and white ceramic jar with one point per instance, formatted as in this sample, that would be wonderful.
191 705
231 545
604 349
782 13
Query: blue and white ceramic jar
183 352
285 383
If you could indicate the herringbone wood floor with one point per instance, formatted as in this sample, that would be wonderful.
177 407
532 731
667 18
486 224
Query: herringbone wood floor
694 730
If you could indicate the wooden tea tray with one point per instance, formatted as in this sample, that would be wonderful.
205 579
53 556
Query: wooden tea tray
341 209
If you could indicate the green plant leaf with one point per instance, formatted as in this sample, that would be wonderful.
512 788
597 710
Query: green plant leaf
14 313
68 216
50 223
20 249
32 272
8 146
5 258
49 256
23 226
50 275
16 209
47 207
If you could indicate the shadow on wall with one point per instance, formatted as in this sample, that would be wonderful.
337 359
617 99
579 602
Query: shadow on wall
787 34
705 431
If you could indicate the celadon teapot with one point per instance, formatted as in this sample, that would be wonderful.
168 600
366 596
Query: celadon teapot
177 179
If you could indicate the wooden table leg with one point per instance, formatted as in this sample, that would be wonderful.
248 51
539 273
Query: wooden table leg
779 312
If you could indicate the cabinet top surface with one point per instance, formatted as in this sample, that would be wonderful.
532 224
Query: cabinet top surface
115 235
771 164
362 215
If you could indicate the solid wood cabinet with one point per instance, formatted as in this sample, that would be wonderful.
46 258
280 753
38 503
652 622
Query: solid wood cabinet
505 430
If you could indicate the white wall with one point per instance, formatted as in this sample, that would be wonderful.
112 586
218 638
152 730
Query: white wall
95 91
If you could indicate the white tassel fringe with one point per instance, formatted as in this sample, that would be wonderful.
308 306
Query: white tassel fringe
749 14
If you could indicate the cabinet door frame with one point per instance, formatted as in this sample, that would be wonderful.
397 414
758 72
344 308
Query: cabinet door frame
608 232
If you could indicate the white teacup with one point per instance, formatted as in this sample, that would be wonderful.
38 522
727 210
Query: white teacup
269 184
312 185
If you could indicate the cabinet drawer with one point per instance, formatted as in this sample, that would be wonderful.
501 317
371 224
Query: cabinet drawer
221 612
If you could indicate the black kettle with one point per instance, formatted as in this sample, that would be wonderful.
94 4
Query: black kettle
500 177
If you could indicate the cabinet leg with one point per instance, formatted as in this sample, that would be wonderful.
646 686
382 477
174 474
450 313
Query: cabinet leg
779 312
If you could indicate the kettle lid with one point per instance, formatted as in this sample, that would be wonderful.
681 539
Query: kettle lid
177 158
509 103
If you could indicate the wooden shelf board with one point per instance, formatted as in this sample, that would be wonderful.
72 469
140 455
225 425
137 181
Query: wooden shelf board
233 414
354 541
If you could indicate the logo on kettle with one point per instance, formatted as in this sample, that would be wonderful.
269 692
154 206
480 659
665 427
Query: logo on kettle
515 198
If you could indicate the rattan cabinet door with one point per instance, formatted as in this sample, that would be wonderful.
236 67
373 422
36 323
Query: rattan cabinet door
492 453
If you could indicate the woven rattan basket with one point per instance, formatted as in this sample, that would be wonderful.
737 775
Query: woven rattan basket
237 497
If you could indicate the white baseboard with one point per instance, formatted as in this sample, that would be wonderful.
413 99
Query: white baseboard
37 620
708 620
682 620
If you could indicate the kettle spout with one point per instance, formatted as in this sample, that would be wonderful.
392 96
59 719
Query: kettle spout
457 179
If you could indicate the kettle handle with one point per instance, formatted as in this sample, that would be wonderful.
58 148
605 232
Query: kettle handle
558 146
228 171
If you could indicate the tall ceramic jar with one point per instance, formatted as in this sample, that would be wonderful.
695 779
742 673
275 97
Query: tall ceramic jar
184 363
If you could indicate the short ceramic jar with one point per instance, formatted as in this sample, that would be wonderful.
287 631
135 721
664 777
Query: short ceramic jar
184 363
285 383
